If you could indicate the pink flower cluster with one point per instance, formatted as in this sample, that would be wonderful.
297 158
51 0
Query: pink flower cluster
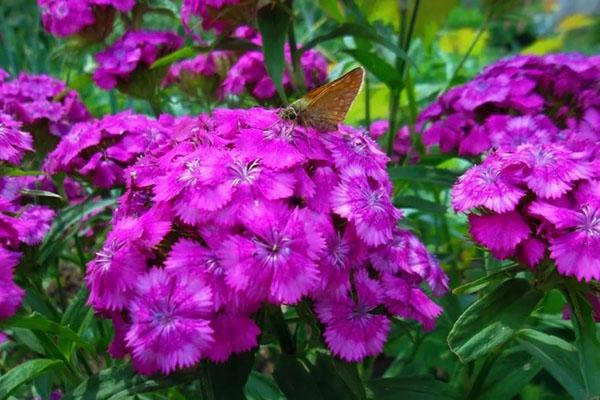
534 201
69 17
533 99
536 195
202 65
101 149
241 208
134 50
41 99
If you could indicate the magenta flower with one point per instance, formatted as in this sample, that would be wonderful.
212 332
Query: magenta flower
132 51
13 142
235 333
202 66
367 204
170 325
37 98
34 223
279 257
352 330
11 295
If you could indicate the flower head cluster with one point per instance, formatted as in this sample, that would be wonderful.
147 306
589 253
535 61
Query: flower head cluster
134 50
242 208
219 15
69 17
533 99
13 141
202 67
249 72
101 149
40 99
535 201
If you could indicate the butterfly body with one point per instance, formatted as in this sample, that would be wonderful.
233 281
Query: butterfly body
325 107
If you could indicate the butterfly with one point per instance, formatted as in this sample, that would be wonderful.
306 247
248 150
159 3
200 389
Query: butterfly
325 107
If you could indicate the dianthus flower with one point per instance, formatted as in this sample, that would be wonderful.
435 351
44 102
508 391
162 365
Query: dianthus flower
533 99
242 208
135 50
39 99
534 201
203 71
102 149
13 141
68 17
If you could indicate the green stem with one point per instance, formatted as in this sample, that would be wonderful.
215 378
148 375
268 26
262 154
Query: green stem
394 106
277 320
155 105
367 101
207 389
296 66
482 375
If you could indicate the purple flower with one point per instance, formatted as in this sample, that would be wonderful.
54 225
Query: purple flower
170 326
365 202
13 142
202 66
10 294
352 330
132 51
34 223
219 15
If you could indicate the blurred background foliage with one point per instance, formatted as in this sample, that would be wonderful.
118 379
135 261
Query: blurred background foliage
451 41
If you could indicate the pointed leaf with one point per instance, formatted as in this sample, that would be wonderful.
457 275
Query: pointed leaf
295 381
422 387
24 373
493 319
557 356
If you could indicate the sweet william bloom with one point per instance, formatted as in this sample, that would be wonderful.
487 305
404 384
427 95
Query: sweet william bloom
170 326
367 204
135 49
10 294
576 241
66 17
222 16
34 223
501 233
353 330
235 333
280 256
13 141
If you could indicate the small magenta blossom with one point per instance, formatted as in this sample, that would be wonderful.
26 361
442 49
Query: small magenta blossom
101 149
135 49
35 99
222 16
13 141
246 208
68 17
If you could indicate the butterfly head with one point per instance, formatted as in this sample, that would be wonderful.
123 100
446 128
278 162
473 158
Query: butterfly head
288 113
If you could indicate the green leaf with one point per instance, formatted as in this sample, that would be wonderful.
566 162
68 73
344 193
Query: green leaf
336 380
262 387
332 9
422 387
273 23
493 319
483 282
37 322
123 381
423 174
420 204
359 31
76 313
10 171
181 54
295 381
586 339
66 219
227 380
40 193
24 373
377 66
558 357
508 376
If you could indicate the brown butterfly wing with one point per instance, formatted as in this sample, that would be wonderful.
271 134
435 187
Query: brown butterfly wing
328 105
